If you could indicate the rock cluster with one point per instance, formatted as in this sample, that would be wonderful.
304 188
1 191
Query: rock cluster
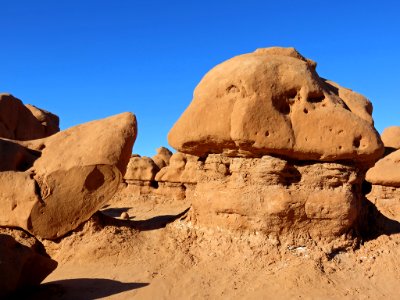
51 182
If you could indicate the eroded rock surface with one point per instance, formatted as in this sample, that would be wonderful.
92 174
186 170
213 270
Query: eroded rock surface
272 102
78 170
276 196
391 137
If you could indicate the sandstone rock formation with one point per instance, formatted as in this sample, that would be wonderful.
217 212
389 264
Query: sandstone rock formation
272 102
78 171
23 261
161 159
21 122
391 137
141 169
385 180
274 148
148 176
276 196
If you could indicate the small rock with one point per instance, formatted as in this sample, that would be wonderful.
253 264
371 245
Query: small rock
125 216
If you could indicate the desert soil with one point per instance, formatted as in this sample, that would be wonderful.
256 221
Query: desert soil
153 256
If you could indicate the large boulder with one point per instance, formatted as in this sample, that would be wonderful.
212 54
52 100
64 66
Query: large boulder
20 122
78 171
23 261
272 101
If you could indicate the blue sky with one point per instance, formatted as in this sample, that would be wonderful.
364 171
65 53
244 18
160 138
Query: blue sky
85 60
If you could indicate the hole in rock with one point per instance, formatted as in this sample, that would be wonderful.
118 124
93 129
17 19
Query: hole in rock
315 97
356 142
94 180
282 102
305 111
267 133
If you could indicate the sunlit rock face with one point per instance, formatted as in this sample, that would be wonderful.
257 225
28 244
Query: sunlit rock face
52 185
272 101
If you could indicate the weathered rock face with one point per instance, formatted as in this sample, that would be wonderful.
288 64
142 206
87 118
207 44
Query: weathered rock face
391 137
21 122
23 261
161 159
272 195
141 169
78 171
49 121
272 102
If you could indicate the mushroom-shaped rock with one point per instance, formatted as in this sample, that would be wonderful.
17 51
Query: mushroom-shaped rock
162 157
391 137
386 171
78 171
272 101
141 168
173 172
20 122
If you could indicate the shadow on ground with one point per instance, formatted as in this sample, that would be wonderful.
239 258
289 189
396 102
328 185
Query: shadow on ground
153 223
77 289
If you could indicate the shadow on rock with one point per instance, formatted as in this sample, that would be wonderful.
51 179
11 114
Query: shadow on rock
374 223
80 288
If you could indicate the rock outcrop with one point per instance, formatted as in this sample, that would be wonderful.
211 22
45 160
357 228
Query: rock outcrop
272 102
270 147
20 122
385 180
23 261
161 159
74 174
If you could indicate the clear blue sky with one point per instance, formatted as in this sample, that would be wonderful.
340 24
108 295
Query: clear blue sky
86 59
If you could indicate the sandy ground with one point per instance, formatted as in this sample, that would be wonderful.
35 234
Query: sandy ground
158 255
